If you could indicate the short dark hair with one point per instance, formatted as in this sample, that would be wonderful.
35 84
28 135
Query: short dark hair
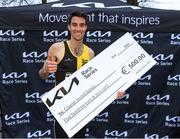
78 14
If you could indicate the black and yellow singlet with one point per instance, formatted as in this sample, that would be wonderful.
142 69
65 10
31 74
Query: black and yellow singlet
70 63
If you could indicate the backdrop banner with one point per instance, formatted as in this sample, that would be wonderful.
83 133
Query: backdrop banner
150 108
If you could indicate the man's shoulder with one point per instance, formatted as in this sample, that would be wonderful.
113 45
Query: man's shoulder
91 52
57 44
57 47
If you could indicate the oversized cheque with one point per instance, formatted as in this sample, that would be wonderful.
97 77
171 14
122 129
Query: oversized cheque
94 86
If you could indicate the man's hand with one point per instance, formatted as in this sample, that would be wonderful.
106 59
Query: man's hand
50 66
120 95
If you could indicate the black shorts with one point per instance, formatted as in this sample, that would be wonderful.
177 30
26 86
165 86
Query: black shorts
60 133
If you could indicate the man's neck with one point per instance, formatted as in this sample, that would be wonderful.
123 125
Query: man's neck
76 47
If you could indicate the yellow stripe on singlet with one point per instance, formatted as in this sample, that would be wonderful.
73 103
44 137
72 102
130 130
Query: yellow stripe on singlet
84 58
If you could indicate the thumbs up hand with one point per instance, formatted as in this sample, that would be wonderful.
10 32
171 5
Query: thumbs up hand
50 65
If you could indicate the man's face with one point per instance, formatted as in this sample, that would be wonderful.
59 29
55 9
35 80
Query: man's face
77 28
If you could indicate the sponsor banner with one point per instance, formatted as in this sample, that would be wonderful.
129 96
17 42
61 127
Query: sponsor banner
103 15
26 33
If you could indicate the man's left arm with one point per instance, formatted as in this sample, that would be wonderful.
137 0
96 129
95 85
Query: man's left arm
91 53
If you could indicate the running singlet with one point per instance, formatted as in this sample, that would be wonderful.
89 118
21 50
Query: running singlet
70 63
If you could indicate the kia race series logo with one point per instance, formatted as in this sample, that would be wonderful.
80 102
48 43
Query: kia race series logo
14 78
155 136
49 116
63 90
158 99
102 117
115 134
136 118
12 35
34 57
164 59
32 97
175 39
172 121
145 80
143 38
39 134
98 36
173 80
17 118
124 100
51 79
55 35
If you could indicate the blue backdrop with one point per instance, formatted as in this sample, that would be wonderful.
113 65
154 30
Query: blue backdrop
150 108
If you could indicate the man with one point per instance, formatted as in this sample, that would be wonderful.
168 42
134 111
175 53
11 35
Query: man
66 57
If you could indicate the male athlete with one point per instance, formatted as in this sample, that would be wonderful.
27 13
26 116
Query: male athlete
66 57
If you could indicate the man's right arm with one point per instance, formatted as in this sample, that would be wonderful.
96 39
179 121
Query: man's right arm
43 73
55 54
50 64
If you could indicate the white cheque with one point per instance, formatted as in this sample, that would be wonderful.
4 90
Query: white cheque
94 86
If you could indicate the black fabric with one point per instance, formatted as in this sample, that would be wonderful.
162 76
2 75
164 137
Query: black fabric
67 65
117 16
150 108
59 132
